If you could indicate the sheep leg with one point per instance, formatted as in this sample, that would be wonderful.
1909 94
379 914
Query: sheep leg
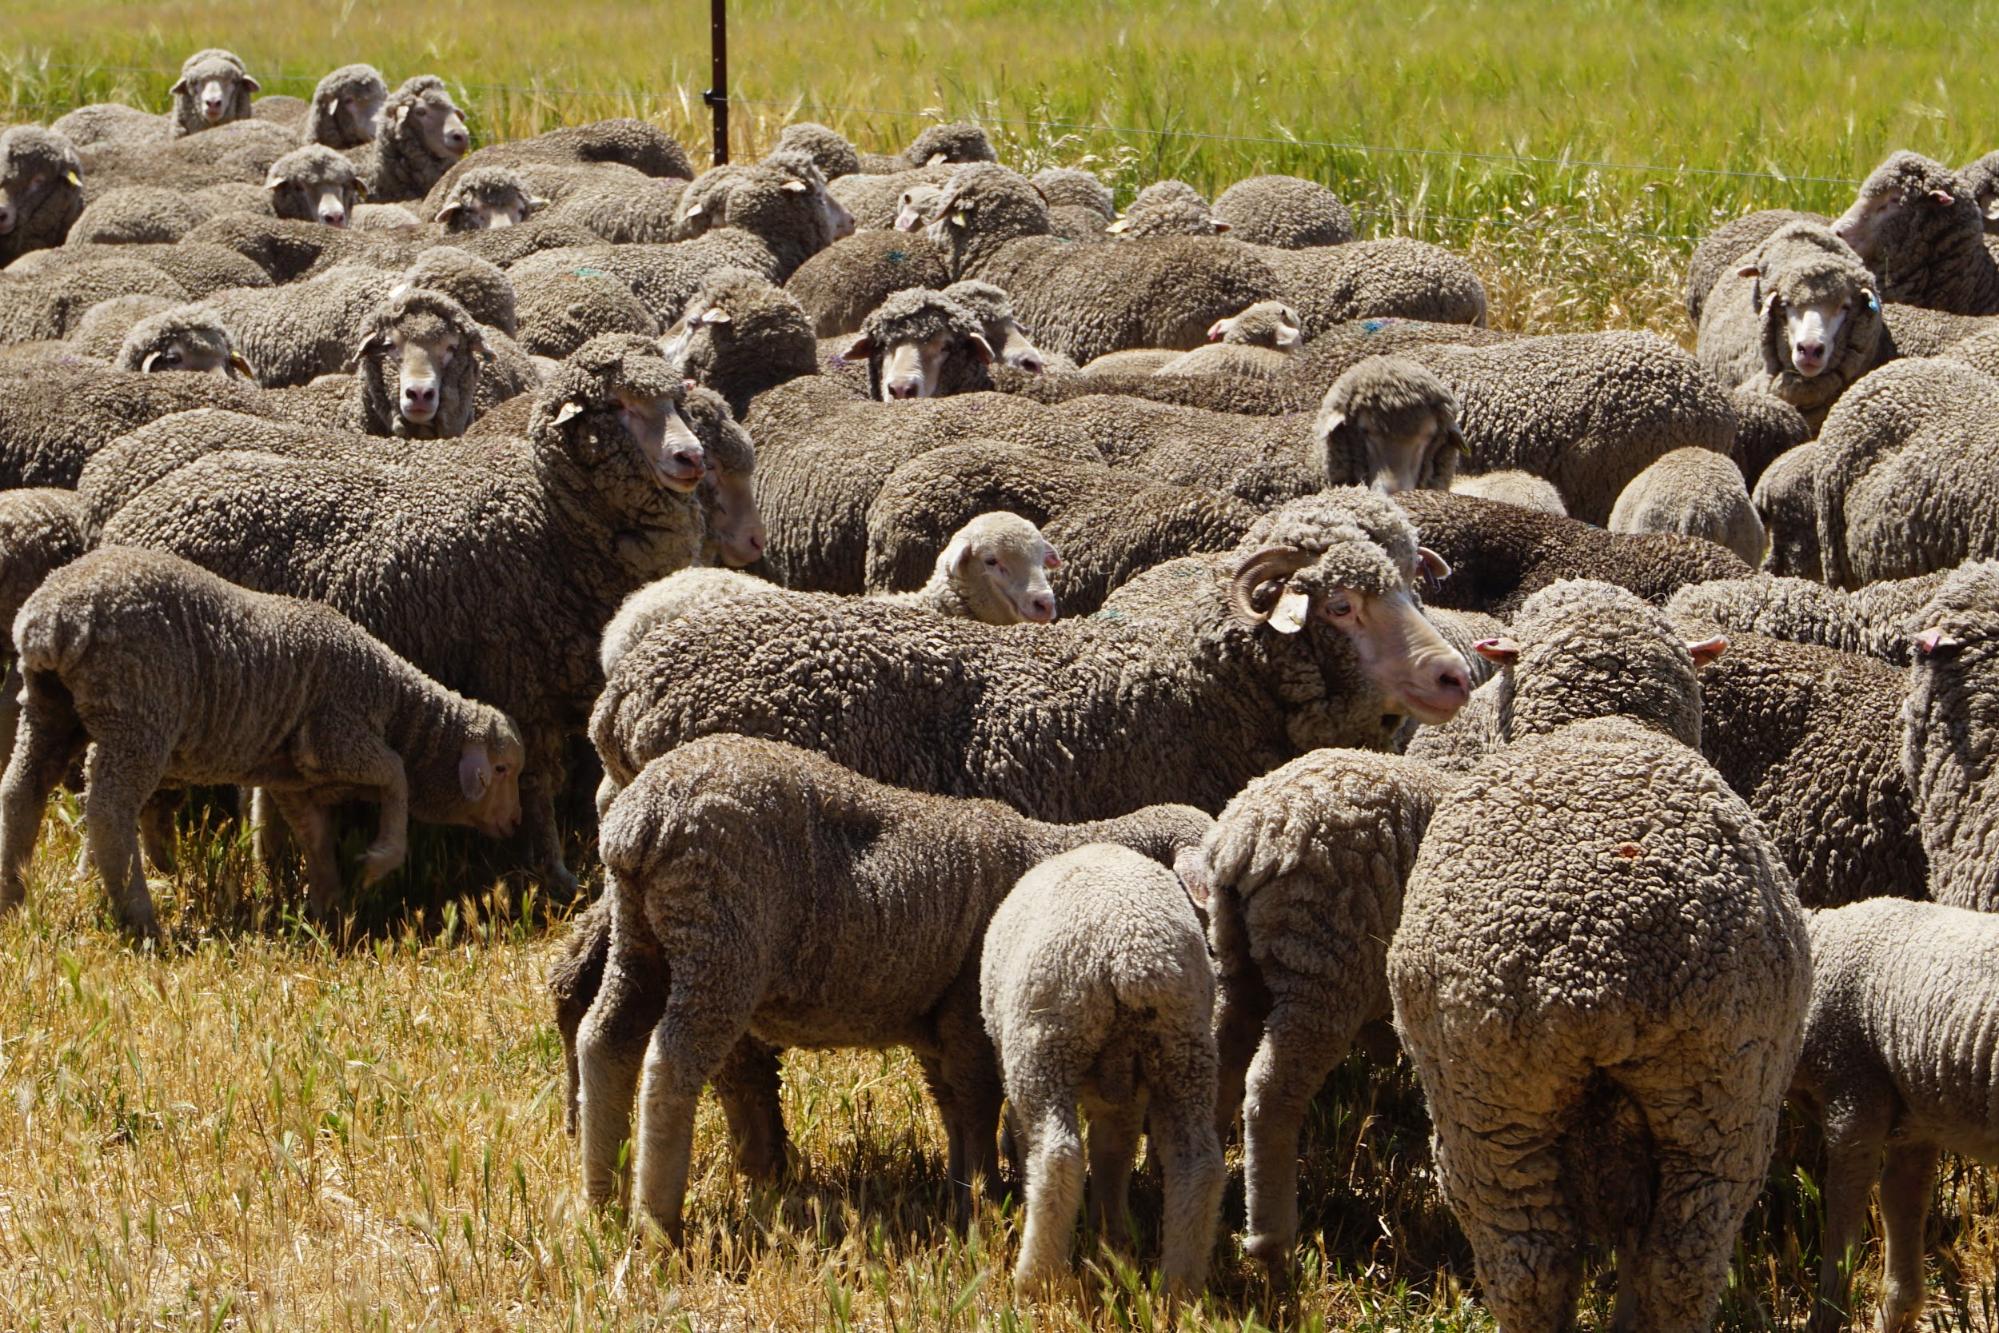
1113 1146
610 1043
311 825
268 835
1299 1049
747 1085
707 1012
341 753
544 838
11 691
969 1091
1054 1151
156 830
1905 1206
1242 1006
46 743
120 771
1183 1137
1855 1132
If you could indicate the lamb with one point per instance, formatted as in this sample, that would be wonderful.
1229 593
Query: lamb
1918 427
1601 975
182 338
1303 872
1696 493
1095 986
1948 735
531 540
1503 553
1799 321
1168 208
1285 212
41 190
1786 500
1898 1061
488 197
165 672
1514 487
1918 227
1108 524
1200 674
1254 344
346 107
421 134
893 890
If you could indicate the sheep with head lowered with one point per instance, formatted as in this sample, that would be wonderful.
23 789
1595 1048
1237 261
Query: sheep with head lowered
488 197
345 107
1695 493
1285 212
1167 208
1601 976
41 190
183 338
167 674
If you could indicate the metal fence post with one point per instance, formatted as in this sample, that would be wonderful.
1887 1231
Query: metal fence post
717 95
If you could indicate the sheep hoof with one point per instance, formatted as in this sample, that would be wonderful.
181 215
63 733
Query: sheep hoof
380 860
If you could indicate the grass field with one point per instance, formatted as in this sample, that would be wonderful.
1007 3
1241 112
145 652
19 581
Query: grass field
260 1128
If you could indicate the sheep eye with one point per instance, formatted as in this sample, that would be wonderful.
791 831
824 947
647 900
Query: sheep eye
992 562
1339 608
171 356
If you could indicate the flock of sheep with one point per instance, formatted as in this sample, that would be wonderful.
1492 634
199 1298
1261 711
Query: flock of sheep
1409 670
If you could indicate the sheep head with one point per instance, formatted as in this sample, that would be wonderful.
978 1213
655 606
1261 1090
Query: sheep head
41 188
1269 324
615 406
314 184
959 141
1906 197
1346 560
1004 333
346 107
921 344
1391 424
735 533
213 89
421 114
1820 317
1168 208
182 339
485 198
419 365
998 564
1581 649
984 206
740 330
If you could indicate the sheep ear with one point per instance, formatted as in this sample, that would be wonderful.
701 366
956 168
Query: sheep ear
1052 560
273 181
714 314
860 349
981 348
475 340
178 88
957 554
568 412
794 186
240 366
536 204
1501 650
1749 271
146 366
937 160
450 211
1192 870
72 177
1334 425
1706 651
252 84
1221 227
1873 301
1219 330
333 103
360 188
367 345
1942 198
402 114
1935 645
475 773
1293 609
1118 226
1433 564
961 218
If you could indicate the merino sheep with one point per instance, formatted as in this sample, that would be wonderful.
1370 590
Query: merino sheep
164 672
1257 343
418 367
1695 493
531 541
1285 212
740 335
1199 675
314 184
559 312
41 190
922 344
213 89
346 107
181 338
1897 1064
1080 207
1949 736
1786 500
1600 974
1167 208
1872 621
953 142
624 142
879 202
1799 321
1389 424
829 151
1095 986
488 197
1921 231
421 134
839 286
41 530
893 888
140 215
1729 245
1514 487
1010 342
201 269
51 305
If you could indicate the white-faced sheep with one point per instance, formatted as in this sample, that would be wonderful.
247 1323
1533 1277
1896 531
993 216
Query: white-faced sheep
832 910
1096 989
165 673
314 184
421 134
1601 975
1918 227
1389 424
346 107
1257 343
488 197
213 89
183 338
41 190
1695 493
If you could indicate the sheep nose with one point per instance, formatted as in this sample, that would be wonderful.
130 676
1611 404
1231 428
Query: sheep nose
456 140
6 219
905 388
756 540
690 460
1041 610
422 397
1811 351
1033 365
333 217
1454 685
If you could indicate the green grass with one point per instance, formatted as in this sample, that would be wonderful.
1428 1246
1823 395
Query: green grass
260 1128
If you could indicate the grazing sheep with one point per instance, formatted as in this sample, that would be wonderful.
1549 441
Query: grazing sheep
1511 486
1949 739
1285 212
1167 208
488 197
1696 493
1501 553
740 335
1923 428
186 338
1729 245
41 190
1389 424
1786 501
1257 343
421 134
1095 987
1108 524
763 889
829 151
1799 320
1304 873
1196 677
170 675
1080 207
346 107
954 142
1918 227
1897 1064
1600 975
529 541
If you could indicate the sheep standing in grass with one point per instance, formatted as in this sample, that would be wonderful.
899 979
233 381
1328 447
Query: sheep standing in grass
763 889
41 190
167 674
1601 976
1898 1064
1695 493
1095 987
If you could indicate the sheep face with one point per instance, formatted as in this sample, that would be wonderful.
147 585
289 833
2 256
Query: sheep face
735 526
202 351
916 369
420 368
1811 331
35 167
352 117
1896 202
437 123
498 204
1269 324
211 92
314 185
20 196
999 564
1411 449
917 207
488 782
